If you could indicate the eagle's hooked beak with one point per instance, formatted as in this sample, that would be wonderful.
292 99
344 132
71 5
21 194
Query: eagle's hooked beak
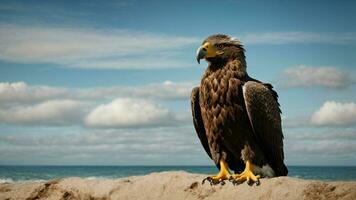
201 53
207 51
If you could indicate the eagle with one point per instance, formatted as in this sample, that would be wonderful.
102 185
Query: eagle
236 117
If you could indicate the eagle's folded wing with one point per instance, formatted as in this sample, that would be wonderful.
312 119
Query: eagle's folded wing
265 117
198 121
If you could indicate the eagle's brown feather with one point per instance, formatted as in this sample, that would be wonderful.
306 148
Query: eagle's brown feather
264 115
232 110
198 121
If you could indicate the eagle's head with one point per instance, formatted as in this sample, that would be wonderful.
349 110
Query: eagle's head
220 48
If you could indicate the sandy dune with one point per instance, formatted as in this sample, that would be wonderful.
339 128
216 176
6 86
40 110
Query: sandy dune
176 185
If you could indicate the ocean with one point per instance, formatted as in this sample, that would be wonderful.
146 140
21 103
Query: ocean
41 173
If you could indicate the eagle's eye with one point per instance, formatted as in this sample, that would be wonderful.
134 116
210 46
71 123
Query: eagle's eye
220 46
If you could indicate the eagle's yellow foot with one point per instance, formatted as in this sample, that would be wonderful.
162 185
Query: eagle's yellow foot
224 174
246 175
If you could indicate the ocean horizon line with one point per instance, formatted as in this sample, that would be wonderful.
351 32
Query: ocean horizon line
46 172
90 165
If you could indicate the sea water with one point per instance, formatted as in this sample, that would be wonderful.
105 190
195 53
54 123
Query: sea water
41 173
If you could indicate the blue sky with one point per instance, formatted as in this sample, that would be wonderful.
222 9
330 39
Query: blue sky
83 82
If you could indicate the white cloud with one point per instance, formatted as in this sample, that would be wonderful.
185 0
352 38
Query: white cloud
288 37
91 48
320 146
21 92
335 114
111 147
53 112
165 90
43 105
124 49
128 112
306 76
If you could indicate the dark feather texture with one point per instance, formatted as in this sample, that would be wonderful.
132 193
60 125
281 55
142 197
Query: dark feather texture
264 115
198 121
232 111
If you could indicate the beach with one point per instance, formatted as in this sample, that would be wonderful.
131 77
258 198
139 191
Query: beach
175 185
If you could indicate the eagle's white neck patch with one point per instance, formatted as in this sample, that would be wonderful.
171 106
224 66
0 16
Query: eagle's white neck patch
235 40
265 171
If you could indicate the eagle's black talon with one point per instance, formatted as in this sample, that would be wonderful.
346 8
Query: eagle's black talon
210 180
237 182
231 179
213 182
258 183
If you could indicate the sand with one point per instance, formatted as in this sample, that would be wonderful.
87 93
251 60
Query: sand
176 185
